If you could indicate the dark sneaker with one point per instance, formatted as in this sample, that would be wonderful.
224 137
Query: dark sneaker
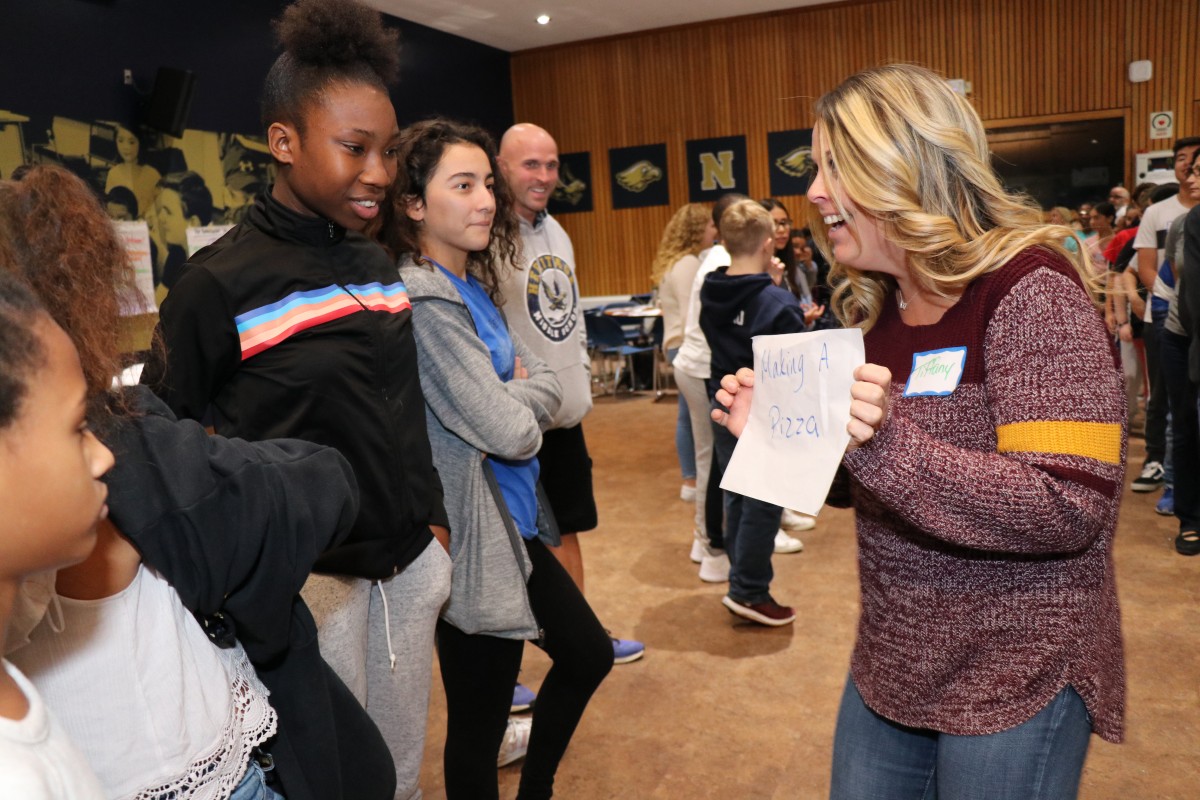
767 612
1150 479
1188 543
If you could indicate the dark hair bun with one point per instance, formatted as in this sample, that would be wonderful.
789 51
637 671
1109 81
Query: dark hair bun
338 35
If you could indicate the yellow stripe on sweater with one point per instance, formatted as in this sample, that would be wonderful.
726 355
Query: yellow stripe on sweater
1098 440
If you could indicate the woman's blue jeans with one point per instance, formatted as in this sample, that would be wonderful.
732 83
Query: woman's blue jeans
1040 759
685 447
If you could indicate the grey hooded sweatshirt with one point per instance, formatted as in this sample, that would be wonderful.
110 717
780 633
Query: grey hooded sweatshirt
471 414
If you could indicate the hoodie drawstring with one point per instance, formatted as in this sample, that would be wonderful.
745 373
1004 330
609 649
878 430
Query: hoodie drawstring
387 625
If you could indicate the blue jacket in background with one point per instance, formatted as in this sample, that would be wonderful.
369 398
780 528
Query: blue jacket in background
736 308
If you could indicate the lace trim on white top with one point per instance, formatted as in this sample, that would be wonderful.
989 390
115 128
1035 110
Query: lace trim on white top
214 774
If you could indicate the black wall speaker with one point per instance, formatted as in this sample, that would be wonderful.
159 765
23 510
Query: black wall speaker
170 101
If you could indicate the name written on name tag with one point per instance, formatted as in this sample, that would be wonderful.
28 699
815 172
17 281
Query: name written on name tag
936 373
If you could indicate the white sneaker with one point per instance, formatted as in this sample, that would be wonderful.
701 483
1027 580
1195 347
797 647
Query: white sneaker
697 554
787 544
687 493
515 742
714 567
795 521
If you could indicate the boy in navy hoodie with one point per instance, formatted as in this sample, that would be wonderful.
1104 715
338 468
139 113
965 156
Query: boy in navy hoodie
737 303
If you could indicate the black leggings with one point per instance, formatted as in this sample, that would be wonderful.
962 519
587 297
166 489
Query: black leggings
479 671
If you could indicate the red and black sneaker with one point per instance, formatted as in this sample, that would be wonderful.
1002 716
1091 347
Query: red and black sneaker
767 612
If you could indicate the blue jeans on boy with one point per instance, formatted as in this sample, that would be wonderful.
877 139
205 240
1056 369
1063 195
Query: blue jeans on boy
750 528
1040 759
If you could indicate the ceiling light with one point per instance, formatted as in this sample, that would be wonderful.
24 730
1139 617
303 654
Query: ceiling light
543 19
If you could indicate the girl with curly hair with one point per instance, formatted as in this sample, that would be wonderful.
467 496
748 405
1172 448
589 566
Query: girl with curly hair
225 530
488 400
295 324
53 498
690 231
986 458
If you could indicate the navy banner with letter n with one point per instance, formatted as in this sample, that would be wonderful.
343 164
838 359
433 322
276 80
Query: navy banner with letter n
639 176
716 167
790 154
574 190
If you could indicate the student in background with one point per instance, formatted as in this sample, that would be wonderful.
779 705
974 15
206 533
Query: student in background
488 398
1157 278
295 324
690 232
782 229
692 365
52 497
738 303
1175 341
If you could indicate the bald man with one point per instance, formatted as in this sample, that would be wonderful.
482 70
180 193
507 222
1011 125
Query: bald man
1119 197
541 301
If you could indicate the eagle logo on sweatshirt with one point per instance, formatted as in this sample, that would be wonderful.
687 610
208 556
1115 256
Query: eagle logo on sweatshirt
552 297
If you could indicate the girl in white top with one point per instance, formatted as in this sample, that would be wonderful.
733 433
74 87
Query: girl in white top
187 714
50 490
138 686
690 231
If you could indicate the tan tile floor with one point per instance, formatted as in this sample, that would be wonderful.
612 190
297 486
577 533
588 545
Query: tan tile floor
724 709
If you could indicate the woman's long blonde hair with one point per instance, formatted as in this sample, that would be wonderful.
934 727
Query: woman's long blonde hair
684 235
913 154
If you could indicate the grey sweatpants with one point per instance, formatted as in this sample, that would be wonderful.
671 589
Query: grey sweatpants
352 633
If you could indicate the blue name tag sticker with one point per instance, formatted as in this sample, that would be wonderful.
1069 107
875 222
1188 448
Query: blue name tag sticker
936 373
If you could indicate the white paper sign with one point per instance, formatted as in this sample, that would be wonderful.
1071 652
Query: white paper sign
796 436
202 236
136 237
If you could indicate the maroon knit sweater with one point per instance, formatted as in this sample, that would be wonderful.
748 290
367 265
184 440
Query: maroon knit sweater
986 517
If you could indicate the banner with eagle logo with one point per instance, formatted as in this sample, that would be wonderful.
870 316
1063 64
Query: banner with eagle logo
639 176
790 154
574 190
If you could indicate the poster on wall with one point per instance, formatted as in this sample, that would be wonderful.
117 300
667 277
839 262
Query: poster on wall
135 235
790 154
202 236
574 190
639 176
716 167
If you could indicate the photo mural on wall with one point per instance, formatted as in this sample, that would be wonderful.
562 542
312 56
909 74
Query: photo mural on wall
201 179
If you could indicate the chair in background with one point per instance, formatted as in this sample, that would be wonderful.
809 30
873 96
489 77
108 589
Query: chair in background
607 340
661 367
633 327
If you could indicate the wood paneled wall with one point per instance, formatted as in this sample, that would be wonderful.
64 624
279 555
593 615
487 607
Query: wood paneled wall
751 75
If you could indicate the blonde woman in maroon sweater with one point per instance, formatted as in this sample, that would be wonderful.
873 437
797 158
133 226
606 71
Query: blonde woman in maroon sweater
985 464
